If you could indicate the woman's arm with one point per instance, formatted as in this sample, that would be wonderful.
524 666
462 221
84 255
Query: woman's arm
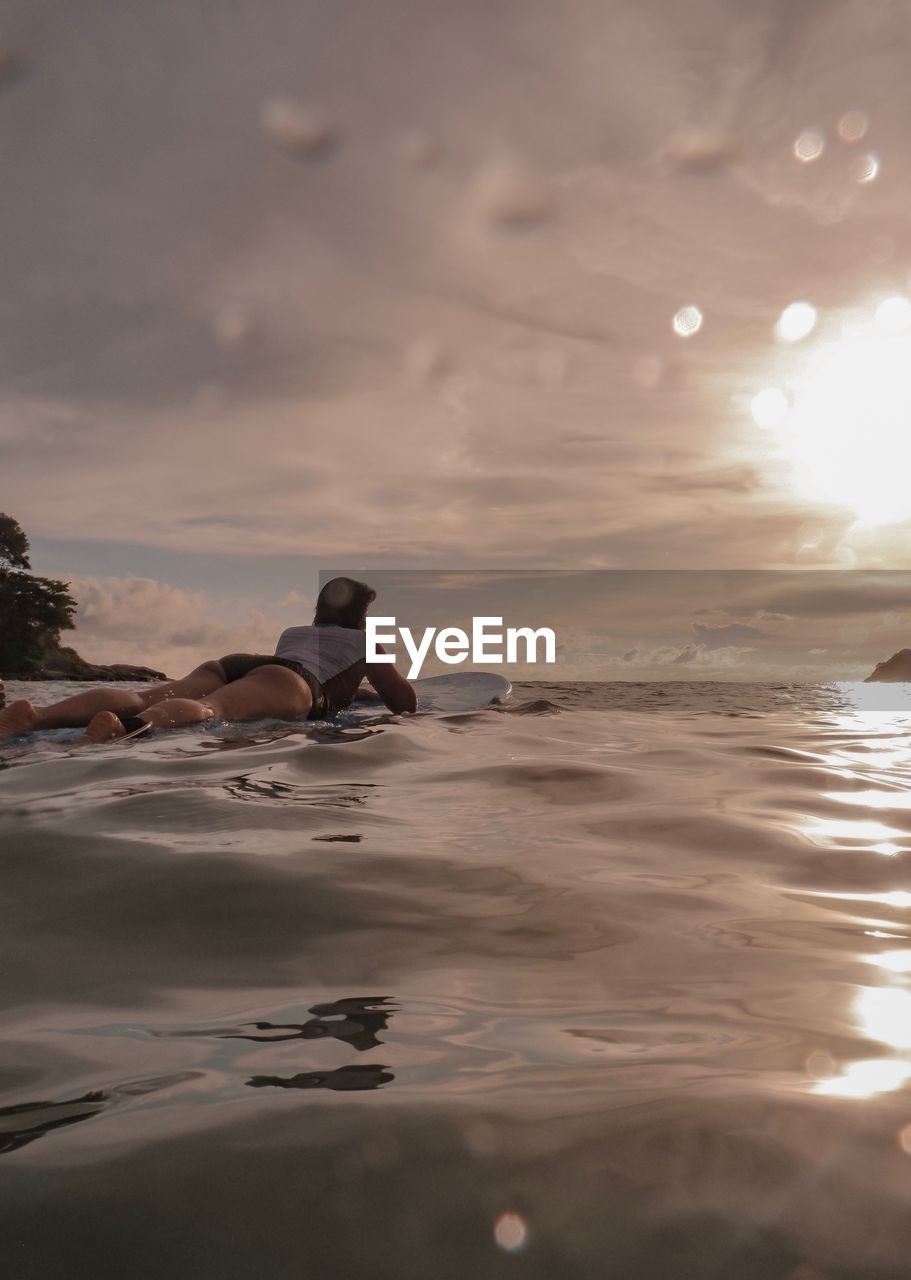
393 688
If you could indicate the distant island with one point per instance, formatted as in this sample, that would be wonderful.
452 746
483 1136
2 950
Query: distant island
33 612
896 669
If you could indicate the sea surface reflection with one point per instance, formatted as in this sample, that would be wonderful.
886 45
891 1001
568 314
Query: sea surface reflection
614 980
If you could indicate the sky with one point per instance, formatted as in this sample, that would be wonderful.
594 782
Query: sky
789 625
289 285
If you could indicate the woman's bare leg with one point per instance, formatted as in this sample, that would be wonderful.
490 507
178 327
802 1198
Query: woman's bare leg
74 712
267 693
201 681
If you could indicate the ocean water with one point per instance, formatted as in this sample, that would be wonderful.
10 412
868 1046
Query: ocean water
614 980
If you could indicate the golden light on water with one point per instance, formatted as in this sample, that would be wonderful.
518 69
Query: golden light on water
871 798
882 839
796 322
892 961
874 836
898 898
834 828
877 730
884 1014
864 1079
687 321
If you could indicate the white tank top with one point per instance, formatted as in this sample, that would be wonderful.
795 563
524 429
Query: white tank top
323 651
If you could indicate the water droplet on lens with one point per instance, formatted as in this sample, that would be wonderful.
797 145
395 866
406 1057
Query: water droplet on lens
809 146
893 316
865 168
687 321
699 152
853 125
512 197
480 1137
231 326
303 133
510 1232
795 322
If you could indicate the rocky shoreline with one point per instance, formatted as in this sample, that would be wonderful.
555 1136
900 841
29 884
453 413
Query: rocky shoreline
91 673
895 670
64 663
85 672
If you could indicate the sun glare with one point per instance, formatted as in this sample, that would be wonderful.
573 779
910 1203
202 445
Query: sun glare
795 322
893 316
846 424
769 407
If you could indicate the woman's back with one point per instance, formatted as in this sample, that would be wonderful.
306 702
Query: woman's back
325 651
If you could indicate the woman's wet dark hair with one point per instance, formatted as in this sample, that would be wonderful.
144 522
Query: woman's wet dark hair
343 602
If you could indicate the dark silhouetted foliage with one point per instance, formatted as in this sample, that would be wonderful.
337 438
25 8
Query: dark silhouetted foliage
13 544
33 610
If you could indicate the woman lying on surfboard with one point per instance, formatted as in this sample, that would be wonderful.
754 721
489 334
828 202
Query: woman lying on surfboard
314 672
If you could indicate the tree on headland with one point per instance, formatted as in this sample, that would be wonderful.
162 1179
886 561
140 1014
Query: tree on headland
33 610
13 544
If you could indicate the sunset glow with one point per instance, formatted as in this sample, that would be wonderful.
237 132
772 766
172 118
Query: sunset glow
455 639
846 429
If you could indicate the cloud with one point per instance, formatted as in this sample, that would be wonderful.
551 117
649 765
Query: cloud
723 637
687 655
845 594
297 599
143 621
698 152
230 350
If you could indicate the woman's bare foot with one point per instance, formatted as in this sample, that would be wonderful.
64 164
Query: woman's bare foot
19 717
103 727
107 726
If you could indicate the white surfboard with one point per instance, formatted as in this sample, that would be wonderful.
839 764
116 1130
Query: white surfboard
461 691
454 693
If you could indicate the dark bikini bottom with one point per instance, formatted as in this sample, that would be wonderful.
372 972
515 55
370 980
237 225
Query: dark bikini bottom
237 665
